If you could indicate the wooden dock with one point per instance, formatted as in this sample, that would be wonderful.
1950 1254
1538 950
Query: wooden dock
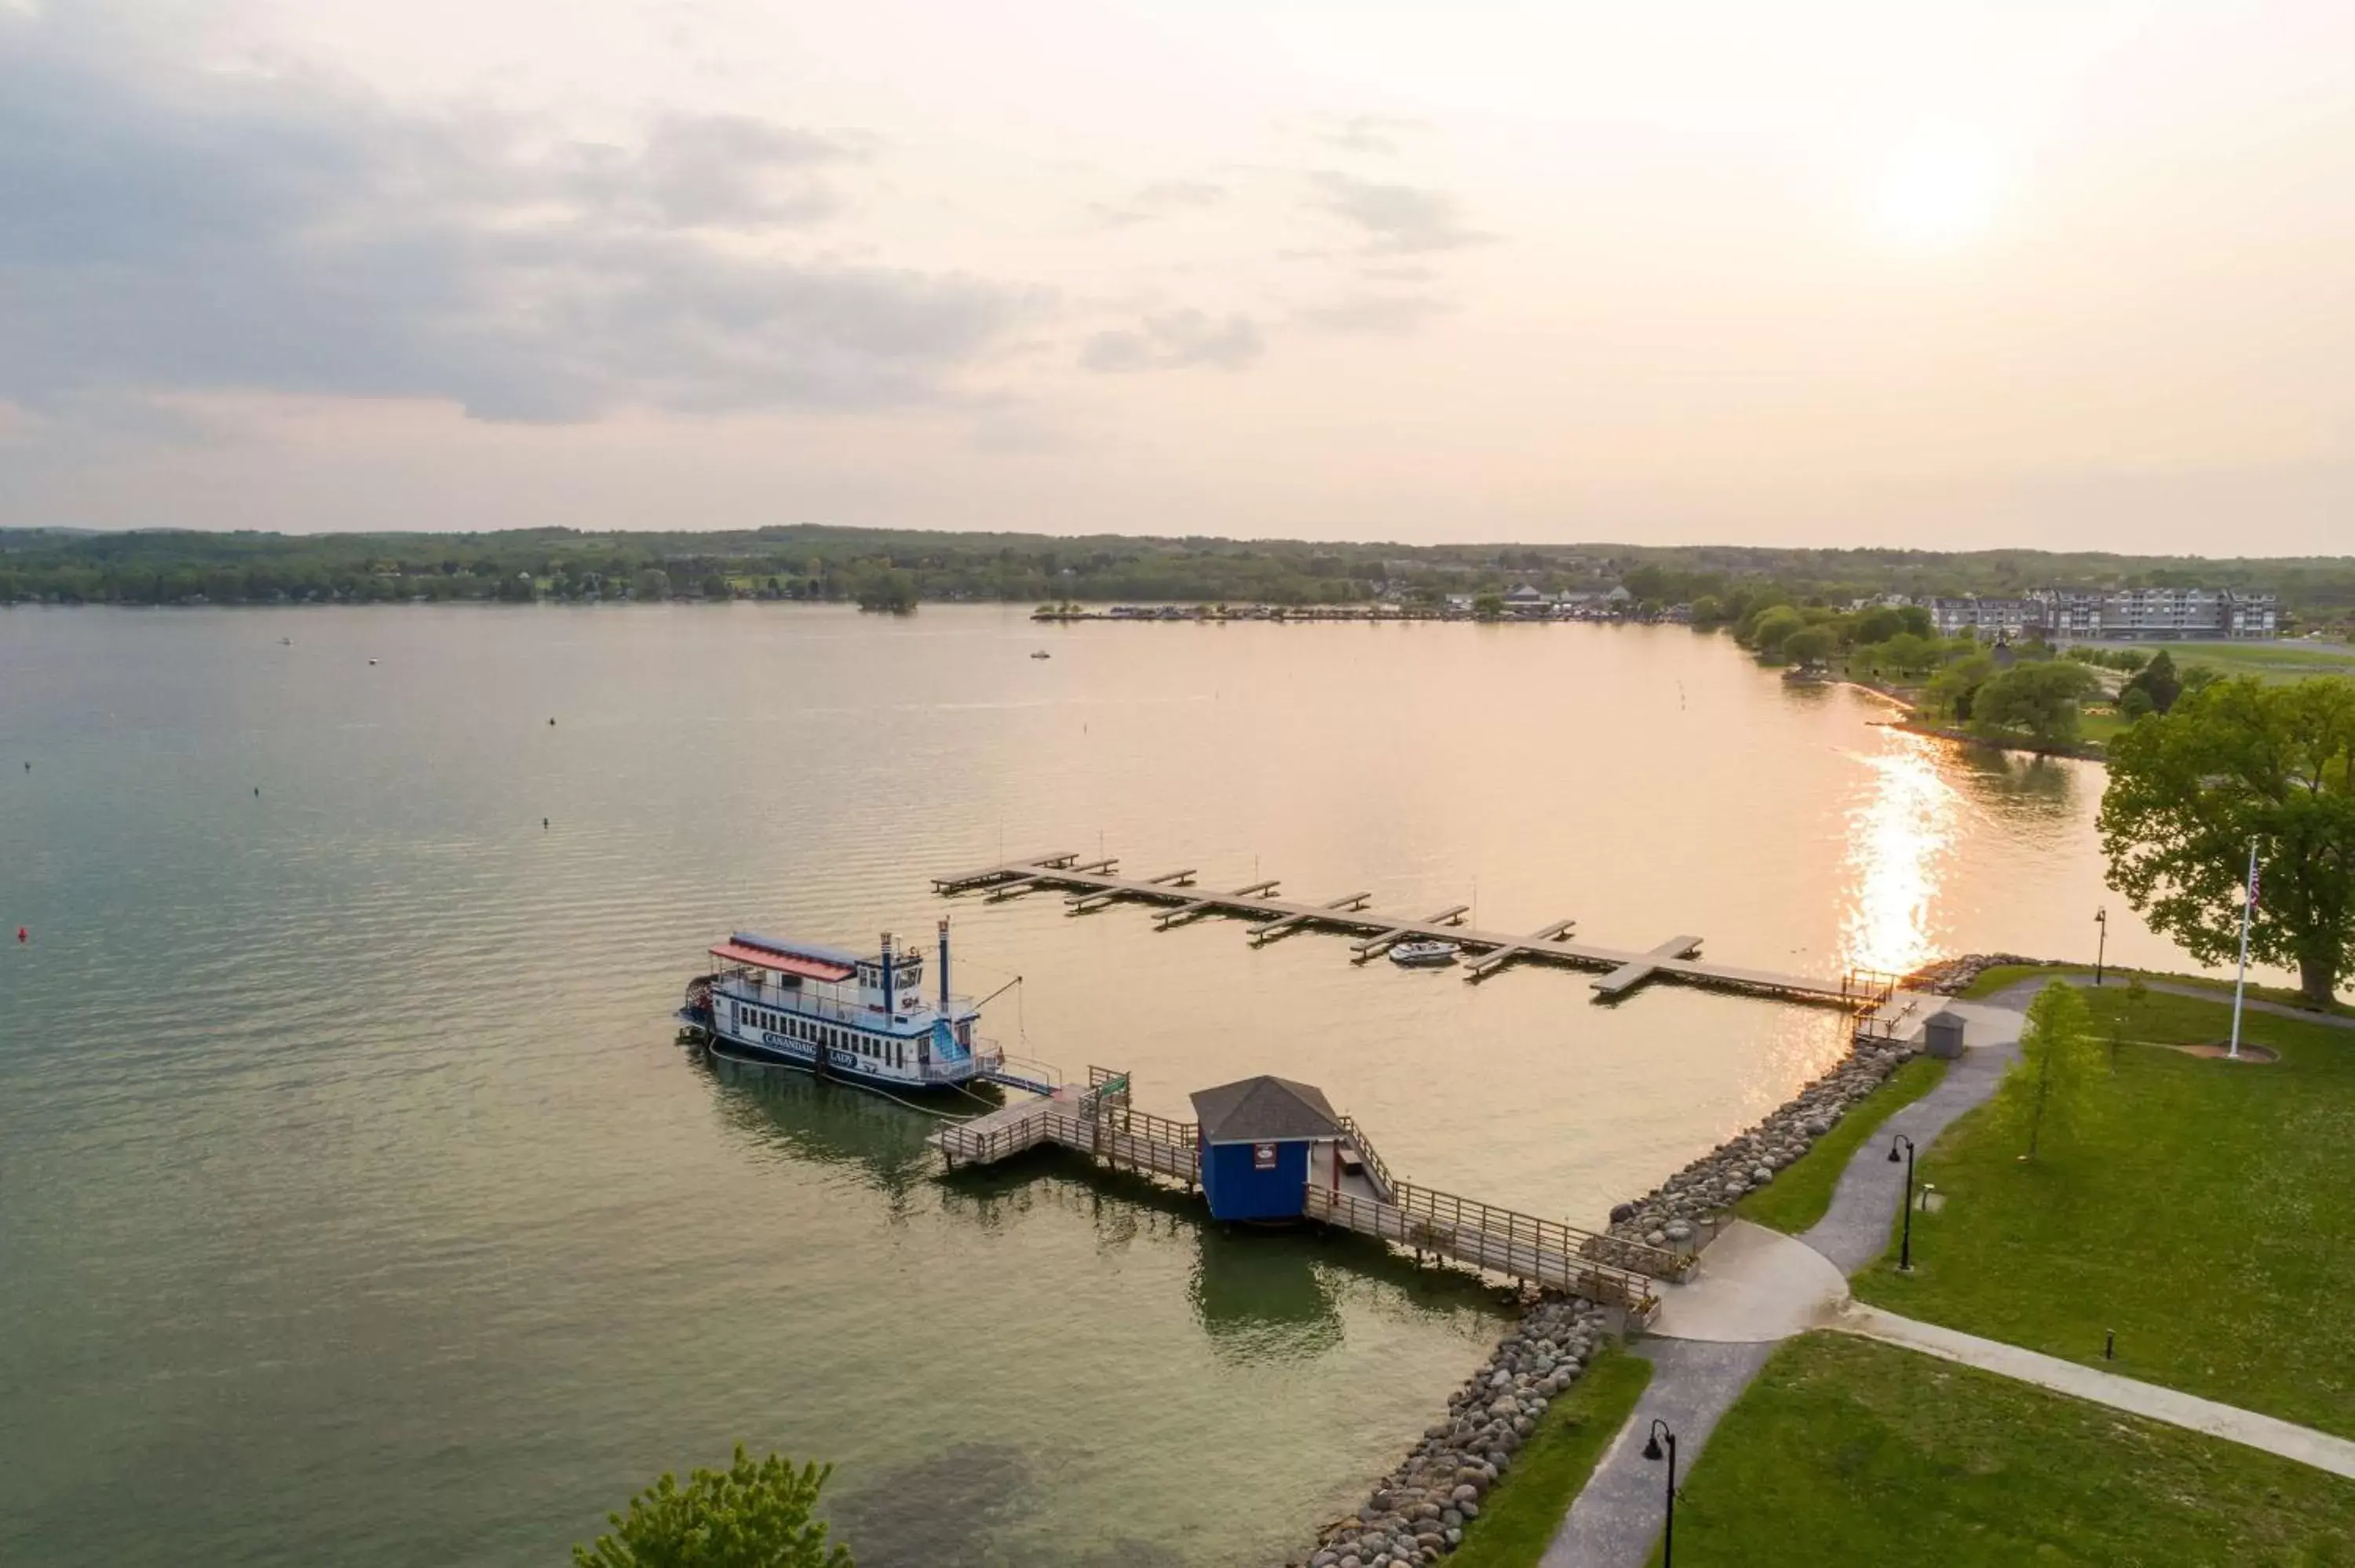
1095 884
1099 1122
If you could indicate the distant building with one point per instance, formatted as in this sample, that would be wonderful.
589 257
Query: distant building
2122 615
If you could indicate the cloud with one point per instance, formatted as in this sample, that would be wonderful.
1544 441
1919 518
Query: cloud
1373 314
1398 220
724 170
168 230
1375 133
1167 196
1160 199
1179 340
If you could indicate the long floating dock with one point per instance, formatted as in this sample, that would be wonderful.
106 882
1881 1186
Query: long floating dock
1093 884
1352 1190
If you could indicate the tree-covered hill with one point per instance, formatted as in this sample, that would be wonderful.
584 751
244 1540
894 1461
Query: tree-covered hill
807 561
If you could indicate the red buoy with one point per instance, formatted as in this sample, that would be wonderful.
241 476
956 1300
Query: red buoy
22 934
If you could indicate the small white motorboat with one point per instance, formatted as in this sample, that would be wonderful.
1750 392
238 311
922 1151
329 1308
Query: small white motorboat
1424 955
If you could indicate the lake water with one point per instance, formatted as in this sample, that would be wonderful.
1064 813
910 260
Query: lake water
357 1205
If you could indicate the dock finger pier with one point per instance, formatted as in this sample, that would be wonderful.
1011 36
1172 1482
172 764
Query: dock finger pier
1271 1149
1092 884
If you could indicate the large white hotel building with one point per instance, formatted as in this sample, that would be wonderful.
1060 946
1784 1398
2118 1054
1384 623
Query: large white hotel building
2124 615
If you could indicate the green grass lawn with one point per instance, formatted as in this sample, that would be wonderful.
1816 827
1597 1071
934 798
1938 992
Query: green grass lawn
1520 1516
2269 662
2200 1209
1801 1190
2102 724
2005 976
1853 1453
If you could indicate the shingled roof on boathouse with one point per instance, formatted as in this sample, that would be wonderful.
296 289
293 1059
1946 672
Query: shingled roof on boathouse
1264 1109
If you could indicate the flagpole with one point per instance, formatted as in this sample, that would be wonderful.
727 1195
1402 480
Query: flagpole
2241 986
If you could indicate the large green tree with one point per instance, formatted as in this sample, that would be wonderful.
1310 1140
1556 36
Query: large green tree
2237 761
2040 698
1810 645
750 1515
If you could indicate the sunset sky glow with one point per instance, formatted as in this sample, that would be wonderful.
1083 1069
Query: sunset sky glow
1833 272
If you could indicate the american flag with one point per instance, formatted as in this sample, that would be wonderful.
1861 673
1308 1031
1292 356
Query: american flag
2252 884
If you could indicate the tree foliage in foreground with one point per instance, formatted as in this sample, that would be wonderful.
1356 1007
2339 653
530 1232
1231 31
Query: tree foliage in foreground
751 1515
2238 760
2048 1087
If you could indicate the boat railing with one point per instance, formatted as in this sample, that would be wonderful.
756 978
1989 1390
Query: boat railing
799 1001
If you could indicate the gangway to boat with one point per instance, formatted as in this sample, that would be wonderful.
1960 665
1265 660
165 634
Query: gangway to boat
1021 1073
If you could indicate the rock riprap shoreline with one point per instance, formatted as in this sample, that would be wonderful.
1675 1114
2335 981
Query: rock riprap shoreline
1667 1214
1951 977
1418 1513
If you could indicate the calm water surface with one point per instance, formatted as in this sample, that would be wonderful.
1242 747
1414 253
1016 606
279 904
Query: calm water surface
357 1207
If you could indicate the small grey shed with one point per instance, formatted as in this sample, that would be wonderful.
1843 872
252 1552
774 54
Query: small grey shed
1942 1034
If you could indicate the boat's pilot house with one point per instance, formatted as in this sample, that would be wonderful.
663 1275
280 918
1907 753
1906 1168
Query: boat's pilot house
906 983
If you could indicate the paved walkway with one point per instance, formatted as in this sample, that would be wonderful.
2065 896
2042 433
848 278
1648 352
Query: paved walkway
1617 1518
1756 1288
2253 1004
2172 1406
1855 1228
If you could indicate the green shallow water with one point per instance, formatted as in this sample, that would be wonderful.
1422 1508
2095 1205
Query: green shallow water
359 1207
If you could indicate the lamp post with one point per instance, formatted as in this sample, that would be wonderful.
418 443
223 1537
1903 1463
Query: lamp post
1652 1451
2102 946
1905 1246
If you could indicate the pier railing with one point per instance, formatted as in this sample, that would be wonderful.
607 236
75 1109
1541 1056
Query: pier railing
1526 1255
1514 1229
1108 1130
1378 1171
1119 1115
1870 992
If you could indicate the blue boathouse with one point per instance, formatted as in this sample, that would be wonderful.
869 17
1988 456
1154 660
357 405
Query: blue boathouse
1256 1136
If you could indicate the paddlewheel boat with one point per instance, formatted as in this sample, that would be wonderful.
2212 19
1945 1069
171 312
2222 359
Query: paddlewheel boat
839 1015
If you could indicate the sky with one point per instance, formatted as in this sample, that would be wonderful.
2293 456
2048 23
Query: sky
2079 275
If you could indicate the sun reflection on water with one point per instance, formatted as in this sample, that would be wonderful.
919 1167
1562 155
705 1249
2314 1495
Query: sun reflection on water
1900 831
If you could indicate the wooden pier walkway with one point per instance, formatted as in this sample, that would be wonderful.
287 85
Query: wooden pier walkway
1093 884
1356 1193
